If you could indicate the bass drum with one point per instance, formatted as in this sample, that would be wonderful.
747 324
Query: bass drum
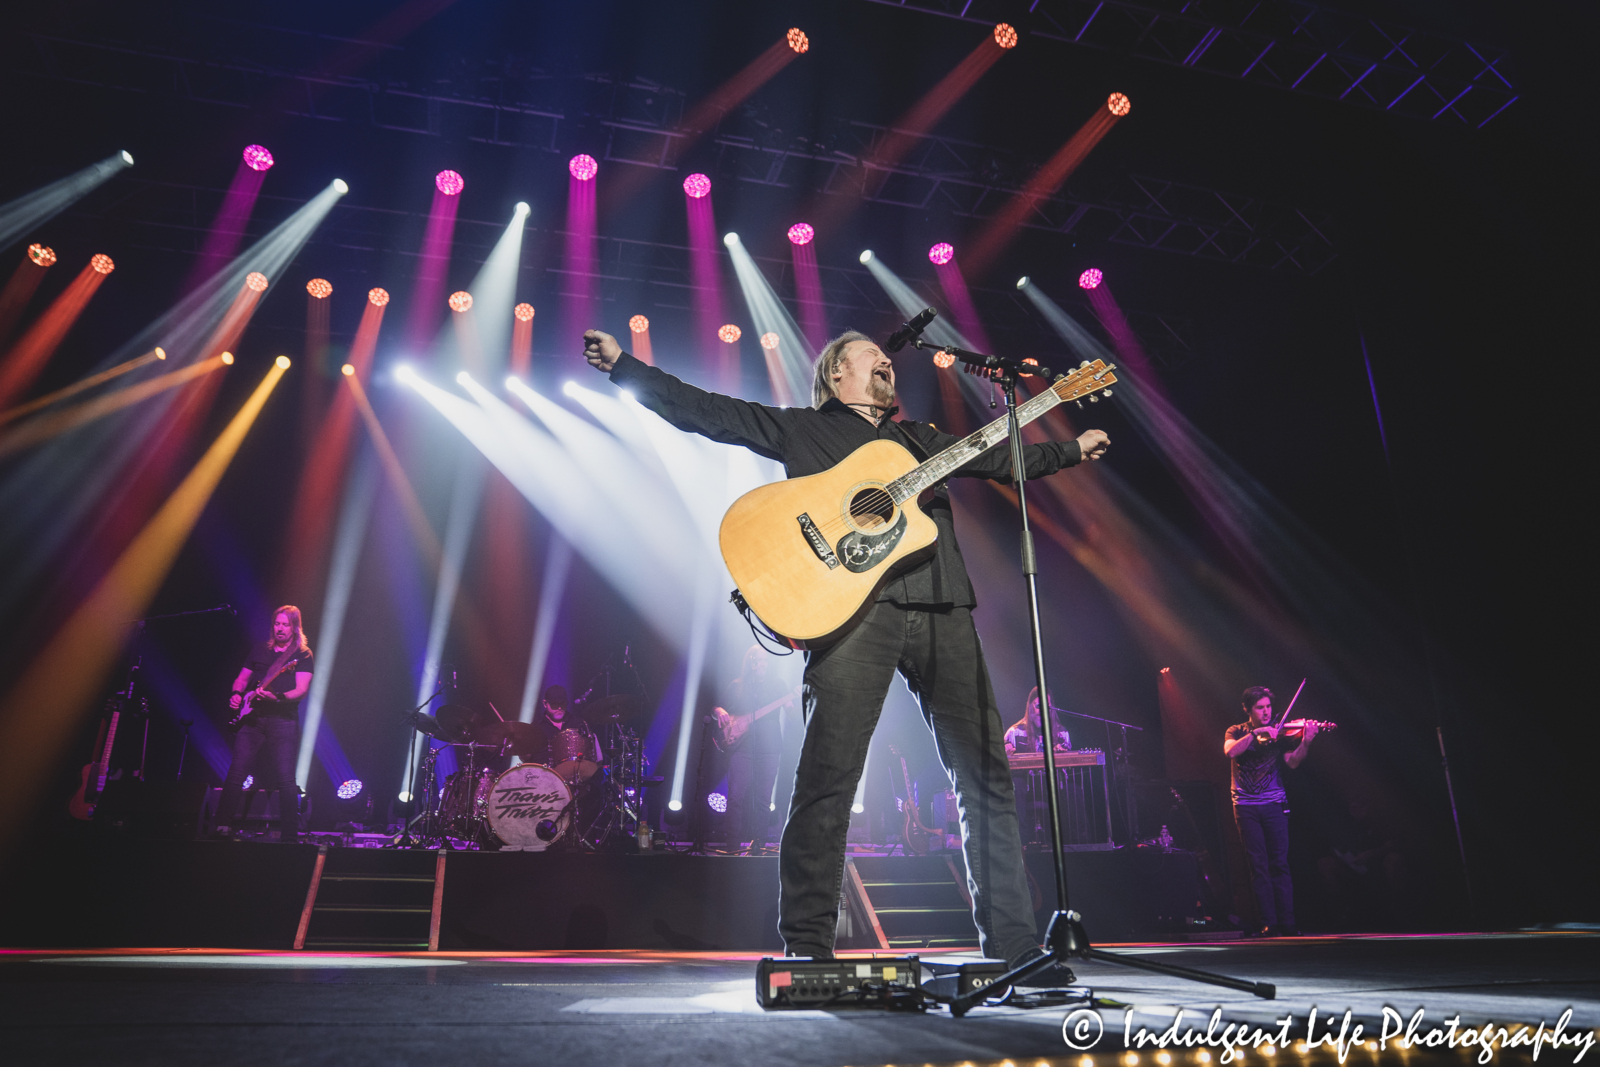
530 807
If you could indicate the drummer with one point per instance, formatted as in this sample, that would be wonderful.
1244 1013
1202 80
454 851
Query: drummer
553 717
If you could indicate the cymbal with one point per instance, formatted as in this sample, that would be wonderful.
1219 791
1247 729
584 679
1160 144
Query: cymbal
459 721
427 724
610 709
527 740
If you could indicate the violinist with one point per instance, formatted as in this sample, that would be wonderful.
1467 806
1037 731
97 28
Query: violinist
1258 749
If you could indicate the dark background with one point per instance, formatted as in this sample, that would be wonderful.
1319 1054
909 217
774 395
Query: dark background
1458 262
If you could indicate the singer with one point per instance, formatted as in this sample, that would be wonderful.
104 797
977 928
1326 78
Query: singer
921 625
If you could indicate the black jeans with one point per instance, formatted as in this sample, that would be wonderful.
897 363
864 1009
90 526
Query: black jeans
845 685
267 748
1265 830
751 773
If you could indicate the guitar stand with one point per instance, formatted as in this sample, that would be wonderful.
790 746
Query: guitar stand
1065 938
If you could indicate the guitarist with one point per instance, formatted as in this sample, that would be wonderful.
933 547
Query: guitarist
920 625
753 761
267 740
1261 807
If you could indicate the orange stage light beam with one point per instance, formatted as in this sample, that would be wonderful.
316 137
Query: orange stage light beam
1044 184
421 529
315 499
34 348
81 384
522 340
23 284
43 711
48 426
639 327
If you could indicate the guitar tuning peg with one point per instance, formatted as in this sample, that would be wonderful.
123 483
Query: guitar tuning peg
1084 364
1078 402
1093 399
1105 392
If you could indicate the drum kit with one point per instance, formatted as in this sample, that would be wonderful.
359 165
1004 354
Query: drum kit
520 787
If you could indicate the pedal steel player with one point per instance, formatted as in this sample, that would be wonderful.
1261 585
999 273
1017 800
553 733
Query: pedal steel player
267 741
1260 806
921 625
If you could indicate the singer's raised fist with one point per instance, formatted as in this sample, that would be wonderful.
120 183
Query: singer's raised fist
1093 443
601 350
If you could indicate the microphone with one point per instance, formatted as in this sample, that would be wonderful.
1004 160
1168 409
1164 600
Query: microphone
911 330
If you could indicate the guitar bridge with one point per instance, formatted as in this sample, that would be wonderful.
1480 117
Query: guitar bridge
819 544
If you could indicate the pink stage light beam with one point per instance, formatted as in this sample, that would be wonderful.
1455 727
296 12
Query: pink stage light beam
579 306
705 278
808 284
427 296
228 228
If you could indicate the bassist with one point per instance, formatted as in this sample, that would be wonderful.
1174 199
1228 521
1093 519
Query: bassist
920 624
269 687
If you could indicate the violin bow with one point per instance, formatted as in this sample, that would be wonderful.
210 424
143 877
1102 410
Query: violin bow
1285 717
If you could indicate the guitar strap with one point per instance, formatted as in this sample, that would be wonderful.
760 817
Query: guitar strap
292 652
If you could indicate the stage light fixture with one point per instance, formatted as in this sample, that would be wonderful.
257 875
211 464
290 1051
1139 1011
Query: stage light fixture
522 207
769 341
127 157
256 157
227 359
697 185
1022 282
320 288
583 167
347 370
730 238
729 333
462 377
1005 35
102 264
638 324
941 253
858 808
570 388
943 359
449 183
1118 104
718 802
674 805
43 255
523 312
405 373
405 796
377 297
256 282
161 353
798 41
348 790
801 233
249 780
340 186
1166 670
460 300
282 362
1090 279
866 257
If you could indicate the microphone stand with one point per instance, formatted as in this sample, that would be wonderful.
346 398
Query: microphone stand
1065 938
405 840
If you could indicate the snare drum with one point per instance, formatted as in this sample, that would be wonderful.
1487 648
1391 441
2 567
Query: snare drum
575 754
530 807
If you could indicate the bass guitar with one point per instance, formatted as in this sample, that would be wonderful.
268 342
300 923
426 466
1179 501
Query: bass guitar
732 728
915 835
92 779
254 694
810 554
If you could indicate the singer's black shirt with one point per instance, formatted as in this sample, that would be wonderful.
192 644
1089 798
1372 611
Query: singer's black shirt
812 440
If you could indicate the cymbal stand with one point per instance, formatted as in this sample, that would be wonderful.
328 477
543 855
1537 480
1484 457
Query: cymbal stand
406 840
1065 938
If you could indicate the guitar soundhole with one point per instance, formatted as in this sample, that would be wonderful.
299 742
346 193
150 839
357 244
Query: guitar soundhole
871 508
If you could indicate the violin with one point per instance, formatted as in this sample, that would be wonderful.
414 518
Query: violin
1295 729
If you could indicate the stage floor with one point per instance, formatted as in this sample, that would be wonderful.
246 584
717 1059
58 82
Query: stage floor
664 1008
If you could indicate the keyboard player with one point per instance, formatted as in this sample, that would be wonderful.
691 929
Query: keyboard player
1027 733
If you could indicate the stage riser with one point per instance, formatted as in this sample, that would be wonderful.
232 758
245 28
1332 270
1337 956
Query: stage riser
118 893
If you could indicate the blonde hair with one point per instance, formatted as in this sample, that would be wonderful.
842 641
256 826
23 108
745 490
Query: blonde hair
299 638
822 387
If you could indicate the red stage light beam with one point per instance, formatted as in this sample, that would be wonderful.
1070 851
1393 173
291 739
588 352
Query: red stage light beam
1045 183
23 284
522 339
33 349
42 712
639 326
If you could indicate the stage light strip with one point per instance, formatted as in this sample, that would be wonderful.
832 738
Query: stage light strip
557 565
42 713
791 377
28 357
32 209
351 532
699 637
80 385
416 518
494 291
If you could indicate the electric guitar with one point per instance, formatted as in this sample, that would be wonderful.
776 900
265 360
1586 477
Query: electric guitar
250 697
732 728
912 832
92 779
810 554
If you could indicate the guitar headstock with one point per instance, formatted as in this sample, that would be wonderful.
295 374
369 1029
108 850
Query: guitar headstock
1092 380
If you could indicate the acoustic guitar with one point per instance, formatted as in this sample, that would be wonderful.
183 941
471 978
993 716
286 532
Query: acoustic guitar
732 728
810 554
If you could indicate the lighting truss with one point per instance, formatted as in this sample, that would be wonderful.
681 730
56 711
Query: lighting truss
1287 44
500 103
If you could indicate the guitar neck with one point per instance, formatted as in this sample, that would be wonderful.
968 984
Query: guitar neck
1082 382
